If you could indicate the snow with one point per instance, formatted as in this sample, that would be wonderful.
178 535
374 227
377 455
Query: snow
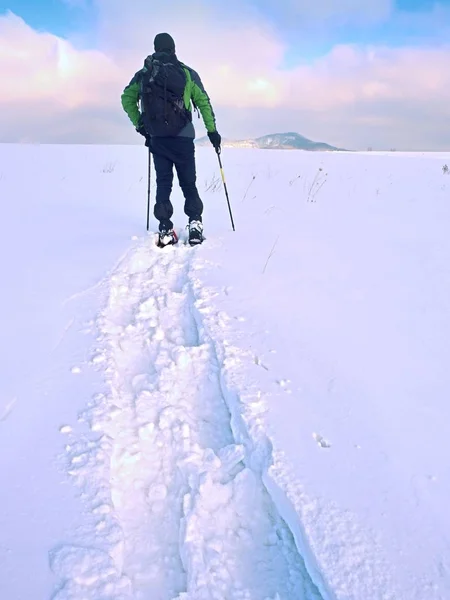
262 417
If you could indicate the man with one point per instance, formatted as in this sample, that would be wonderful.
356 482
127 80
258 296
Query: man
158 103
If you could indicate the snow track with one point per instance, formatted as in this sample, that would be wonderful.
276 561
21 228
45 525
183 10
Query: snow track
177 509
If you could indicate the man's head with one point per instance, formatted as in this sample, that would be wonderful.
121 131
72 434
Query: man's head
164 42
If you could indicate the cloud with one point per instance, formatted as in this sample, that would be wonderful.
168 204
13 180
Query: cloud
350 75
342 11
41 66
352 97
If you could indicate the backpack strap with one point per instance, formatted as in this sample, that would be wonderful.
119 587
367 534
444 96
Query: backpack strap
186 70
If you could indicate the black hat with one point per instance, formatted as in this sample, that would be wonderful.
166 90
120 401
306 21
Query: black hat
164 41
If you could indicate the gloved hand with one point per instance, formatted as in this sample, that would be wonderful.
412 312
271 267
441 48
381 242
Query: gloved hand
141 129
215 139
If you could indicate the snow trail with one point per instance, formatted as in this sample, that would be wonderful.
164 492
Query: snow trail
196 522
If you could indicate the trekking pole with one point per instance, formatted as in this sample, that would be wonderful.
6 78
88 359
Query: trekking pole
148 188
225 186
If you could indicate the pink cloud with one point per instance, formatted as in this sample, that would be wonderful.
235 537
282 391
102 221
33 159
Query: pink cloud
239 58
40 66
345 10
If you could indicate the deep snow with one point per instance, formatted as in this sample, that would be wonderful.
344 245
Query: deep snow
262 417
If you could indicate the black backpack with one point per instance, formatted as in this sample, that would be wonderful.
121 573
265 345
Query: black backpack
162 89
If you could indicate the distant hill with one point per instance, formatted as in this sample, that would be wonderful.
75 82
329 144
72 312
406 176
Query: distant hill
279 141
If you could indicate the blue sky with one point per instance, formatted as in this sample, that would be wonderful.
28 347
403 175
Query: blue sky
61 17
353 73
412 22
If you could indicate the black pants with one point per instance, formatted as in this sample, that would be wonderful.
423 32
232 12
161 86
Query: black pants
167 153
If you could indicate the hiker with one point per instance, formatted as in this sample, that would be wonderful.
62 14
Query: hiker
165 87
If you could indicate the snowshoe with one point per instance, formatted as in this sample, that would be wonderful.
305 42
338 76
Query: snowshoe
195 233
167 238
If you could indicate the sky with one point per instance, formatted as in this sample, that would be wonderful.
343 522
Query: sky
357 74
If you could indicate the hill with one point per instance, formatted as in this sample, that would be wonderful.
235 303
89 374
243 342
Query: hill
279 141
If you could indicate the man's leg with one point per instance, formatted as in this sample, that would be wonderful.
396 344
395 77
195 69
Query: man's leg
185 165
163 210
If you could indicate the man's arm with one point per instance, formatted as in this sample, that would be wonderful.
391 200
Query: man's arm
130 99
202 101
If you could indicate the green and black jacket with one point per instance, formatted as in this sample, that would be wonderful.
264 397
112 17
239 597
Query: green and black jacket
194 93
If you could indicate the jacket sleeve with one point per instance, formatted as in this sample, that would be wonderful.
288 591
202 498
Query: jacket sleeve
130 99
202 101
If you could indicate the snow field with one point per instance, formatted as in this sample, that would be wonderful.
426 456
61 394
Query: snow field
189 516
256 413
